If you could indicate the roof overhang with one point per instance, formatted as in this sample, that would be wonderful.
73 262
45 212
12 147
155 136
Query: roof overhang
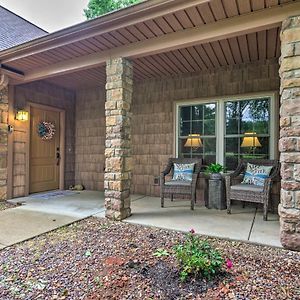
31 56
131 15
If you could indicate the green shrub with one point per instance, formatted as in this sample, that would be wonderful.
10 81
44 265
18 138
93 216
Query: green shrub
198 258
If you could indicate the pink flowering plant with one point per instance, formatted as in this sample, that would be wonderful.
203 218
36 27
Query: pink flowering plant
229 264
197 258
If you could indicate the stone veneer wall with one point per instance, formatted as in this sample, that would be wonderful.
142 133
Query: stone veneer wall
3 135
47 94
289 208
90 138
153 111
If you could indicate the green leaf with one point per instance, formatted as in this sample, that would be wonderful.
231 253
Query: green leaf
100 7
161 252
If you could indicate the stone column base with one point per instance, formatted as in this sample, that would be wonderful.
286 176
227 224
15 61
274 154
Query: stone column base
290 227
118 215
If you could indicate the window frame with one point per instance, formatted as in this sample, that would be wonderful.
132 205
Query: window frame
203 136
220 120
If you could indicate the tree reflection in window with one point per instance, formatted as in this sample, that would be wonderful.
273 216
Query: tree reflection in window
198 119
242 117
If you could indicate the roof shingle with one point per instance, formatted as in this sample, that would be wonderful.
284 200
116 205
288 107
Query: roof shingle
14 30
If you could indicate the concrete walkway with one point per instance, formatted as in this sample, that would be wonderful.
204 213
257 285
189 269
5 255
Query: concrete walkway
38 215
76 205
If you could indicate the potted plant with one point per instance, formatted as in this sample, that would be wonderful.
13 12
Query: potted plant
215 171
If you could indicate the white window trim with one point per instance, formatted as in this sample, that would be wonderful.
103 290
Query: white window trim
220 118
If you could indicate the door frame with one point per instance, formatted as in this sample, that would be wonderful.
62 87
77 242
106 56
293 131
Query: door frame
62 134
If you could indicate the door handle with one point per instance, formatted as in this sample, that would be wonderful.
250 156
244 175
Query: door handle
57 158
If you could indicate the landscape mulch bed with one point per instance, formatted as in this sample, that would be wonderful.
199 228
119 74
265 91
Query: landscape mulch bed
98 259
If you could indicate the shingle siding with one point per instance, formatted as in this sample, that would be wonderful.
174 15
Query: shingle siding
15 30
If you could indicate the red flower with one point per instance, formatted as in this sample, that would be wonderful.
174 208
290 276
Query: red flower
192 231
229 263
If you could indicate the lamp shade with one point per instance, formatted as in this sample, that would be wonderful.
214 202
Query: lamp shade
193 141
250 140
22 115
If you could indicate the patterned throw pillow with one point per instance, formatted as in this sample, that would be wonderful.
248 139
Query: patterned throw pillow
256 175
183 172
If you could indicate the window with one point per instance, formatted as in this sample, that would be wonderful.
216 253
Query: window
226 130
198 119
247 130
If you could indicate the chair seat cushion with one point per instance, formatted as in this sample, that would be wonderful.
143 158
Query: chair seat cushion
183 172
247 187
256 174
178 183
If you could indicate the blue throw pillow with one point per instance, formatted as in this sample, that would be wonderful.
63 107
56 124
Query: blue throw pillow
256 175
183 172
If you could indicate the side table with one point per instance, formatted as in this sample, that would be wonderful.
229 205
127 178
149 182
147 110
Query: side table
216 193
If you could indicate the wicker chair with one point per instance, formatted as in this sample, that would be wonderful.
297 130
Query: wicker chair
172 188
247 192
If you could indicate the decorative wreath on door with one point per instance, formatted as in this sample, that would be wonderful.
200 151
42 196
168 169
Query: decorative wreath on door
46 130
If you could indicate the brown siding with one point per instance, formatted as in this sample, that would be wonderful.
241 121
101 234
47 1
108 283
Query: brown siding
152 120
46 94
90 138
153 111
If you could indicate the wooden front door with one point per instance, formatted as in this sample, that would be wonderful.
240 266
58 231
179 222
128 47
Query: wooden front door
44 154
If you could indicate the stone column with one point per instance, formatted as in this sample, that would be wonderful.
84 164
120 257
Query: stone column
118 161
3 135
289 143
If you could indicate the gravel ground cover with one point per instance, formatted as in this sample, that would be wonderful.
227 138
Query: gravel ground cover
6 205
98 259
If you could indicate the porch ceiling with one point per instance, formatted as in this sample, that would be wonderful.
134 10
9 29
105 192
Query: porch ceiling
232 51
83 79
86 44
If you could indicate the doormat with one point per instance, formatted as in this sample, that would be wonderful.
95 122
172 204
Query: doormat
51 195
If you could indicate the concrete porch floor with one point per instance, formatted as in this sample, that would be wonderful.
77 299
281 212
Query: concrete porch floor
38 215
244 224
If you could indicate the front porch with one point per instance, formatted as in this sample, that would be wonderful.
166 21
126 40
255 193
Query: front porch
244 224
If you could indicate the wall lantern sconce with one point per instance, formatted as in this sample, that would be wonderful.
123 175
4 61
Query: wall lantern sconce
22 115
193 141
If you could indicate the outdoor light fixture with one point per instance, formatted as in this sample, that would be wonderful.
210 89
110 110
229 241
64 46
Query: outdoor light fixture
193 141
250 140
22 115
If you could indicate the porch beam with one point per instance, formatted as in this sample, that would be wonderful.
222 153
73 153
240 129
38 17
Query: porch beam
129 16
227 28
11 74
